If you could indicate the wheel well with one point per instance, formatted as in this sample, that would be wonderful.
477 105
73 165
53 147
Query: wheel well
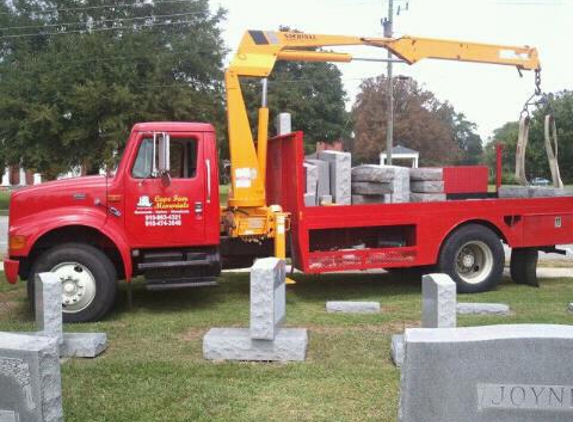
483 223
76 234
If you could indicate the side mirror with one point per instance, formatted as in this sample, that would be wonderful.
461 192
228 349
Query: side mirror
165 178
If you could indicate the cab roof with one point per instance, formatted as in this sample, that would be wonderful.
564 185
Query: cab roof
173 127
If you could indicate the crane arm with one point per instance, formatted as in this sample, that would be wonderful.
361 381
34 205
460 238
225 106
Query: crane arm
258 53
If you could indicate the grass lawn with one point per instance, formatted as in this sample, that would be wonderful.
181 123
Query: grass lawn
4 200
153 369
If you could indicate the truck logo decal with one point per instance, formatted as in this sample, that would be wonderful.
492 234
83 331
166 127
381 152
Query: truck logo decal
144 202
162 211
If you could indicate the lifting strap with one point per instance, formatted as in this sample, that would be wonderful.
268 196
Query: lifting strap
522 139
552 149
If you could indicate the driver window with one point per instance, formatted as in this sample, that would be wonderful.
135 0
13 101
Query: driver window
182 154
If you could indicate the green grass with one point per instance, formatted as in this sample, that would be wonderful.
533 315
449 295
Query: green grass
153 369
223 194
4 200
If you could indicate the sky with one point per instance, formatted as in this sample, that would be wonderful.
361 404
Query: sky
488 95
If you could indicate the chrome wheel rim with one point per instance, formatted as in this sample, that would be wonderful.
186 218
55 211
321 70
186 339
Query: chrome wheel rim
78 286
474 262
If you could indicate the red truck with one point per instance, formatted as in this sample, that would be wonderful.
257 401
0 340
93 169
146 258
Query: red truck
159 215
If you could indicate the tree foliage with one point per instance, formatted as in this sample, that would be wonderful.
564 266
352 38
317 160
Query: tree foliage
421 122
77 74
561 106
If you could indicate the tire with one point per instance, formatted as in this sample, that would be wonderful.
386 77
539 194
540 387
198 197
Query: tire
473 257
88 277
523 266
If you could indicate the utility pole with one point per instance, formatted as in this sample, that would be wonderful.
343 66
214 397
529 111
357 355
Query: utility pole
388 33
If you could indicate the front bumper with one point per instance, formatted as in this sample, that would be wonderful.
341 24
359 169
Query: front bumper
11 268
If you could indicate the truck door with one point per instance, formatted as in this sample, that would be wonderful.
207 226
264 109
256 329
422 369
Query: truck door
162 212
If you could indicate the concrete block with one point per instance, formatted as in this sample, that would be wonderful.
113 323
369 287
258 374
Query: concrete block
373 173
340 164
430 186
513 192
290 344
83 345
368 199
397 349
438 301
48 297
500 373
30 379
400 185
283 124
371 188
482 309
323 168
427 173
427 197
268 298
349 307
311 176
309 199
326 200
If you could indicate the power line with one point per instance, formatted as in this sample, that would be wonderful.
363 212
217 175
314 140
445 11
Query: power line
95 22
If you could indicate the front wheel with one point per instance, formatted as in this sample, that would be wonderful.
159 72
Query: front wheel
89 280
473 256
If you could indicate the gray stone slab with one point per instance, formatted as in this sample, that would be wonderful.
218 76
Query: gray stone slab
349 307
83 345
500 373
570 307
48 297
283 124
368 199
371 188
323 168
427 197
482 309
311 177
290 344
549 192
427 173
30 379
268 298
506 192
400 185
397 349
373 173
309 199
340 164
438 301
430 186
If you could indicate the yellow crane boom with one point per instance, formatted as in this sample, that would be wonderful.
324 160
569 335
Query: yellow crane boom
256 57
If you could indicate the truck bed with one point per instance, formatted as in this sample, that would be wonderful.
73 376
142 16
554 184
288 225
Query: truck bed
375 236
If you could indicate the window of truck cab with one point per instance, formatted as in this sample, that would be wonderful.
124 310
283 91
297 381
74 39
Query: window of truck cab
182 157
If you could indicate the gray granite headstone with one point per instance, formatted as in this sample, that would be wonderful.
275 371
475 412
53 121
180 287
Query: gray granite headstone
30 380
368 199
371 188
323 187
349 307
430 186
268 298
340 175
438 301
482 309
373 173
500 373
283 124
311 175
427 173
400 185
48 297
427 197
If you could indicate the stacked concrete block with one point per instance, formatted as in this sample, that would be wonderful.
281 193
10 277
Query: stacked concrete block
521 192
482 309
323 185
340 164
427 185
438 309
30 379
380 184
348 307
265 339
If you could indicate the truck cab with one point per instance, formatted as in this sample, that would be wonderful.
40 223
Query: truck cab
157 216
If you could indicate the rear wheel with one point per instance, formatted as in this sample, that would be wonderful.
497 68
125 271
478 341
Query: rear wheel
473 256
523 266
89 280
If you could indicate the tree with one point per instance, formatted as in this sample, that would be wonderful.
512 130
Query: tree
312 93
76 75
422 122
